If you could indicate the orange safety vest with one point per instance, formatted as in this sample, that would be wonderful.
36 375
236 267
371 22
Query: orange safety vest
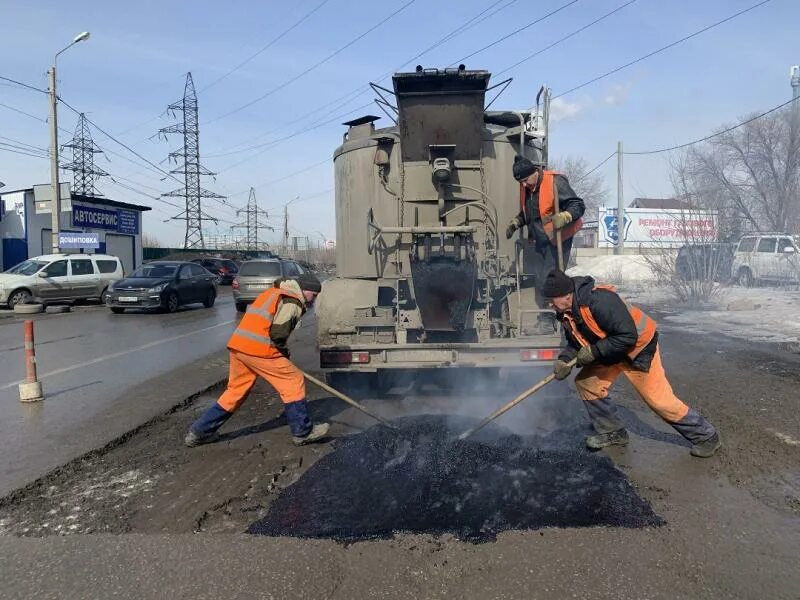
252 335
548 208
645 326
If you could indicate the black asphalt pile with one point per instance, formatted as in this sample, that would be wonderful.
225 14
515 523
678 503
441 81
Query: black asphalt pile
421 479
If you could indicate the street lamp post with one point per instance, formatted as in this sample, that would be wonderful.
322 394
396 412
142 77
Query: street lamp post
55 207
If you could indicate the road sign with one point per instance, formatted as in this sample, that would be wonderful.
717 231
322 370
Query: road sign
73 240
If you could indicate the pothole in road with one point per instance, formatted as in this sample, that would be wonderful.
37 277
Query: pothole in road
421 479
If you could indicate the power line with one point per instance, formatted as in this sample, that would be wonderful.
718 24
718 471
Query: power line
315 65
25 85
663 48
22 112
20 142
152 165
565 38
713 135
600 164
362 89
516 31
21 151
272 42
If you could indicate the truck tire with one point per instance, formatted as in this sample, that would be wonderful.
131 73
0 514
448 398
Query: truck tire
28 309
117 310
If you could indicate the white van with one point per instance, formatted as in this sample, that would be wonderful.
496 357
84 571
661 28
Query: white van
59 278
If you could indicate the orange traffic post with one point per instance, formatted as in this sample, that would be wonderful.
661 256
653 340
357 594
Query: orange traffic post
31 389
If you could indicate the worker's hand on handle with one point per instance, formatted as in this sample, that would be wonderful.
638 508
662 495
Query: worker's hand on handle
585 356
562 219
513 225
562 369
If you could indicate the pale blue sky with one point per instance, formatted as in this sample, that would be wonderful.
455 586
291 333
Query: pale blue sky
134 65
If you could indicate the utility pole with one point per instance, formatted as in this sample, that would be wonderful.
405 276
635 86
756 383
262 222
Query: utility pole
55 206
618 249
286 229
82 166
191 169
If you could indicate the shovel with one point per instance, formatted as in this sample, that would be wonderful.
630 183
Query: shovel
506 407
347 399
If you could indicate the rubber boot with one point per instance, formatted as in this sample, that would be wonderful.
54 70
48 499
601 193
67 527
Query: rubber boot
610 430
303 432
204 429
700 432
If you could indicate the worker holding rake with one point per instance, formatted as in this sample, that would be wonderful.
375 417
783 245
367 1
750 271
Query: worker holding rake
607 337
258 348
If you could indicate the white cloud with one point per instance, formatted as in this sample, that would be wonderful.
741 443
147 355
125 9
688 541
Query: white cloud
617 95
561 110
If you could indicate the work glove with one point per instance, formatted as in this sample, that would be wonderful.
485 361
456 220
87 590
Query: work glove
283 349
562 369
585 356
513 225
562 219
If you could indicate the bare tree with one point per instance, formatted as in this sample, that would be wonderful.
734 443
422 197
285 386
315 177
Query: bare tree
750 175
150 241
589 186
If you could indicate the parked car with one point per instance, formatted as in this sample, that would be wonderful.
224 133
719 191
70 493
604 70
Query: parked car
223 268
55 278
165 285
768 257
706 262
255 276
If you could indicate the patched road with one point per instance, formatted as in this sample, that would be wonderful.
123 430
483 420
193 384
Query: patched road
150 517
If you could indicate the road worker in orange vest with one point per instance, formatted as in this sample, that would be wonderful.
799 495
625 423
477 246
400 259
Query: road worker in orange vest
609 338
258 348
547 203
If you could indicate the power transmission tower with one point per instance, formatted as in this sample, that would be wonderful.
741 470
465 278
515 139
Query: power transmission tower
85 173
191 168
251 224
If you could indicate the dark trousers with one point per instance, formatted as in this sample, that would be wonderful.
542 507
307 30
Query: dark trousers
538 259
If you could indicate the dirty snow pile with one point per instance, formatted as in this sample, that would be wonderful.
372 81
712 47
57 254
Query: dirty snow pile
757 314
616 269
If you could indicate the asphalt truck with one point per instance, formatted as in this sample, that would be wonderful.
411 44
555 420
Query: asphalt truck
425 277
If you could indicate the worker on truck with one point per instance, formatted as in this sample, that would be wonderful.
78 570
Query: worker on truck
609 337
258 348
547 204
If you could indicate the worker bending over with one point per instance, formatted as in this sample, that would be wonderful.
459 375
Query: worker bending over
258 348
610 337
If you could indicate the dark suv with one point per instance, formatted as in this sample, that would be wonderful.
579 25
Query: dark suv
223 268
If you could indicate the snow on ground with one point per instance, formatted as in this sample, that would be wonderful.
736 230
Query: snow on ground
759 314
773 315
616 269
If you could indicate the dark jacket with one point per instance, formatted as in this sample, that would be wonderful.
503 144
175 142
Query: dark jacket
612 316
568 201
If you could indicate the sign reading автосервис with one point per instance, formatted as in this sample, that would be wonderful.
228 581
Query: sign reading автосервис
123 221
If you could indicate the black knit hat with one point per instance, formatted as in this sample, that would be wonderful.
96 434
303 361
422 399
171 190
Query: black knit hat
557 283
523 168
309 283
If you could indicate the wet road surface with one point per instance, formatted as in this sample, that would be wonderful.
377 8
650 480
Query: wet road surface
157 518
103 374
